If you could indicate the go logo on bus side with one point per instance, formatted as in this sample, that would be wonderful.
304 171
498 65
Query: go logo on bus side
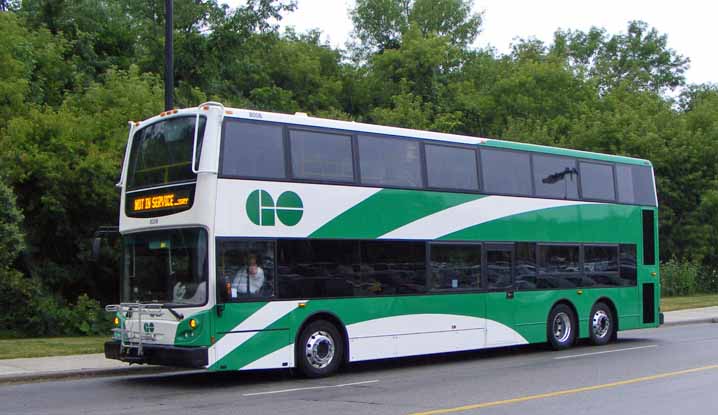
261 209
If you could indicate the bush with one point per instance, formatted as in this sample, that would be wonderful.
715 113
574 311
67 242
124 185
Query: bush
17 298
707 281
679 278
12 240
52 318
87 317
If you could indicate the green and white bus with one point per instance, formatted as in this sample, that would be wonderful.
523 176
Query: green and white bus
256 240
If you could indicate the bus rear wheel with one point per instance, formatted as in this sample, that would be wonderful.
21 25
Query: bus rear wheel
602 324
561 327
320 349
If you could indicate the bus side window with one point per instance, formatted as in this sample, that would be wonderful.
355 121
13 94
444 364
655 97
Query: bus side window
245 269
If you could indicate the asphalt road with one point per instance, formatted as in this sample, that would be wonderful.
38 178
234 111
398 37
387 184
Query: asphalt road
671 370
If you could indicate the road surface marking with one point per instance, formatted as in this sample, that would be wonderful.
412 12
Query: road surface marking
312 387
567 391
605 351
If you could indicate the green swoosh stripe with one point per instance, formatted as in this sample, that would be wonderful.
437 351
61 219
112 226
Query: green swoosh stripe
598 223
387 210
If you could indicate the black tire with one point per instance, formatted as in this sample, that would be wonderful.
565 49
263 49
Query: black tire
320 350
561 327
601 324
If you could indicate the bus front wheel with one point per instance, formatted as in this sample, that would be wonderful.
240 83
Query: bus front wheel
603 327
320 350
561 327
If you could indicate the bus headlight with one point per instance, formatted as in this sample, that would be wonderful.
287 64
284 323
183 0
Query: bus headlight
116 321
192 323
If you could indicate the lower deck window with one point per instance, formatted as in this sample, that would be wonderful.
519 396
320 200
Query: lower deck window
245 269
455 266
328 268
315 268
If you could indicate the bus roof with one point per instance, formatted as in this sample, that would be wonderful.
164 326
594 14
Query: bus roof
352 126
304 120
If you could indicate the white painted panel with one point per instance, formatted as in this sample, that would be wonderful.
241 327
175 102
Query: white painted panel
414 323
498 334
448 341
369 348
417 334
321 204
164 331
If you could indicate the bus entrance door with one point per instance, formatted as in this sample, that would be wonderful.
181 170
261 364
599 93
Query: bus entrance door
499 269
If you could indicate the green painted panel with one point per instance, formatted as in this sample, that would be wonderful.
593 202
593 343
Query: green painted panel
349 311
526 313
261 344
387 210
578 223
234 314
532 308
200 336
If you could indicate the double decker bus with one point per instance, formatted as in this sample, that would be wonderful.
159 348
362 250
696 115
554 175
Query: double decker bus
256 240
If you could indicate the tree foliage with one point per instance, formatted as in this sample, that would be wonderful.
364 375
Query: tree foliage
639 58
382 24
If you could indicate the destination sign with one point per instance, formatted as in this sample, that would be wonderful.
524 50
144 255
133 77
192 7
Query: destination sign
159 202
154 202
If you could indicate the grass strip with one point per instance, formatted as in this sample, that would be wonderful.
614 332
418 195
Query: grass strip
51 346
694 301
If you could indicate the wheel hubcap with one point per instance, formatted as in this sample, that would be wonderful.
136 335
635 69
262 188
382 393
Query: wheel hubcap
320 349
601 324
561 327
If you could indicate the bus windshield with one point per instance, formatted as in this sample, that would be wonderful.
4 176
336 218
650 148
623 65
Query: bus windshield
162 152
166 267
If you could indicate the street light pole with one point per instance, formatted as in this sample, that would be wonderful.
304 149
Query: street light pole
169 56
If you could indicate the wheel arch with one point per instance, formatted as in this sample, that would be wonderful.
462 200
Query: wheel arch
332 318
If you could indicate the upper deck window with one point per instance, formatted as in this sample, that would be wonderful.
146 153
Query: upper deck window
597 181
321 156
451 167
555 177
506 172
388 161
162 152
253 150
635 185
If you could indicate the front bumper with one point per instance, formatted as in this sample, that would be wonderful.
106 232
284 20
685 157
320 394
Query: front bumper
164 355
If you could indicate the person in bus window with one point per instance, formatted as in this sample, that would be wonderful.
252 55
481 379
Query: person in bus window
249 279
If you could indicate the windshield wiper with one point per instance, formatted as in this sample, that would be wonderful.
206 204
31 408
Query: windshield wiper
177 315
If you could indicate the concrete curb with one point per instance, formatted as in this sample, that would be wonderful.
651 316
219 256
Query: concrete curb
691 321
80 373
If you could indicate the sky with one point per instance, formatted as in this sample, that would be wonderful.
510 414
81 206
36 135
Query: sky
691 25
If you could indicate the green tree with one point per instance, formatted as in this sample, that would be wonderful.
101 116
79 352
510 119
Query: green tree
381 24
640 57
12 240
15 292
63 164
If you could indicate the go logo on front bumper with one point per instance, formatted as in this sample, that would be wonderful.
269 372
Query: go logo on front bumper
262 210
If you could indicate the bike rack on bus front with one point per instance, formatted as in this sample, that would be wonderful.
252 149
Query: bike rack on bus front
129 338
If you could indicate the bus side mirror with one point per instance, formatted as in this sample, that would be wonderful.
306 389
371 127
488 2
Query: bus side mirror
96 243
101 233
